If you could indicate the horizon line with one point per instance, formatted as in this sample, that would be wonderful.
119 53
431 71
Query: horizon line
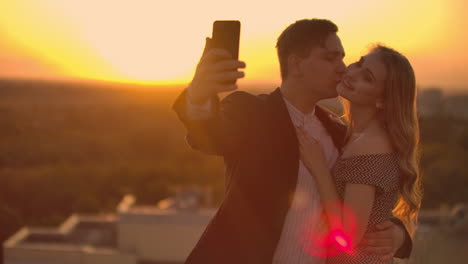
273 83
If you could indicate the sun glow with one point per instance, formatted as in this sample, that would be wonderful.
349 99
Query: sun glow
150 41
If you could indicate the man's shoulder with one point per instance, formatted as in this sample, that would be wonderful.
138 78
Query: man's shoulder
245 99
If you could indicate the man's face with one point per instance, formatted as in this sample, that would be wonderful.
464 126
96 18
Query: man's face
321 71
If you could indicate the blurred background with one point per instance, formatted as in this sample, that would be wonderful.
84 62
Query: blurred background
93 162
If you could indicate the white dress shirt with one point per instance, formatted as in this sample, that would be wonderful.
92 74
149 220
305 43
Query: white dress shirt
303 215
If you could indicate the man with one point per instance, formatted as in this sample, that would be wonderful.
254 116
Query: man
271 204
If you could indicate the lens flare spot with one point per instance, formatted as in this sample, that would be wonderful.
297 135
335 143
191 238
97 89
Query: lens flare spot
324 241
341 241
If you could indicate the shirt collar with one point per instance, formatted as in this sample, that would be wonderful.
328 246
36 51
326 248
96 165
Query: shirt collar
298 118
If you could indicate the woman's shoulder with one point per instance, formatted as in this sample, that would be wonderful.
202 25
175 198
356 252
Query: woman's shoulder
374 145
373 152
375 166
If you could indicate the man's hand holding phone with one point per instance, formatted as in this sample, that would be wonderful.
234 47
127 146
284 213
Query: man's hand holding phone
216 72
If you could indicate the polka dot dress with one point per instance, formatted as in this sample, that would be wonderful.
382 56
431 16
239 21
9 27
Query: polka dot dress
379 170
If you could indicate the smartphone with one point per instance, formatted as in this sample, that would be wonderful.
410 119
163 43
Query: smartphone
226 35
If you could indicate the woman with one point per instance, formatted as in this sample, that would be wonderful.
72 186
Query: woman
379 162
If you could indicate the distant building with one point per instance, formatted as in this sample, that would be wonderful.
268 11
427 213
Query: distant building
134 235
433 102
454 219
430 102
147 235
457 106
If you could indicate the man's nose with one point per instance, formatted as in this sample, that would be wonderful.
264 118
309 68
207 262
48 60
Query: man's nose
341 68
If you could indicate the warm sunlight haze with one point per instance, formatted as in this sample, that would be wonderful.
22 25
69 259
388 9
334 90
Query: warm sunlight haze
151 41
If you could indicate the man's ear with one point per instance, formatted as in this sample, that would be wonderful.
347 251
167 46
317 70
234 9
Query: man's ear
294 68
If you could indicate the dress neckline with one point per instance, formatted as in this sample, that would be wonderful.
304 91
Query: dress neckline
367 155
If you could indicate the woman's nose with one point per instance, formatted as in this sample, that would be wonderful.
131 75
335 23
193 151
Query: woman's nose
342 67
349 75
351 70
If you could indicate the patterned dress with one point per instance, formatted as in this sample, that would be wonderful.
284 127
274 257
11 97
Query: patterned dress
379 170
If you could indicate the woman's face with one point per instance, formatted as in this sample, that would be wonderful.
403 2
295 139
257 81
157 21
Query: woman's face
363 82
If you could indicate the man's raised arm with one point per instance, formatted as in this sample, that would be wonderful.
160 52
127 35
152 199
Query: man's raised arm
198 107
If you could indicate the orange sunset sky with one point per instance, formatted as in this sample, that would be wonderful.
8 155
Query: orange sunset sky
160 42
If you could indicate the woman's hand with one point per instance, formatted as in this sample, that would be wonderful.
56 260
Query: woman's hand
311 153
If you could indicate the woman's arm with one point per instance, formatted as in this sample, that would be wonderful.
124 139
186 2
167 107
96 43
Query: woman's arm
359 198
350 216
389 240
358 201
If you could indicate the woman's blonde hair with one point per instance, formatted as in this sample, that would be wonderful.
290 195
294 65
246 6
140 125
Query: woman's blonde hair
399 116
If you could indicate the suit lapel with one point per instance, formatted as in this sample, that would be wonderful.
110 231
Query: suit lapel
336 130
284 126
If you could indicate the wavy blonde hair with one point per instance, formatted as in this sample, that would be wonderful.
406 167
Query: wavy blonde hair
399 116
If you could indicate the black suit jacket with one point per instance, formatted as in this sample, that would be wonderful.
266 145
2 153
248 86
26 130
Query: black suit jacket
257 139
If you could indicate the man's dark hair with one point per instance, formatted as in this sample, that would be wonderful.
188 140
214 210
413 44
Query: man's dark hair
299 37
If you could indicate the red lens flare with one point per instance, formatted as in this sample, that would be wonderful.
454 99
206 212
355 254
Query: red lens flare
341 240
324 242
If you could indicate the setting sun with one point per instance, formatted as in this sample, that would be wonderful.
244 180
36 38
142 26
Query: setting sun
160 42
